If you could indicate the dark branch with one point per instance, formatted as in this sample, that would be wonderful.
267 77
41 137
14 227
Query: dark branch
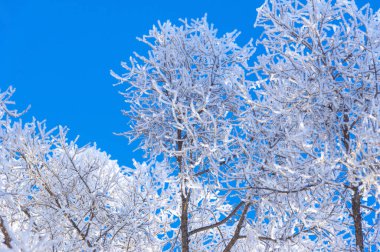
217 224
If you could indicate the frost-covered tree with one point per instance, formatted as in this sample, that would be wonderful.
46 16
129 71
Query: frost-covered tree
287 160
56 196
185 98
320 88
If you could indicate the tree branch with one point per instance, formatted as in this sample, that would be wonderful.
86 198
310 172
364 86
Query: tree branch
238 229
218 223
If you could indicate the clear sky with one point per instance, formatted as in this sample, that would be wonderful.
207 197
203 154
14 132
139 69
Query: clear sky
58 54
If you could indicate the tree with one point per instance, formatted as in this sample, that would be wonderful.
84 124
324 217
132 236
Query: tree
60 197
286 160
184 102
319 77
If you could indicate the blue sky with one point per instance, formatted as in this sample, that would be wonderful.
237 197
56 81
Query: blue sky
58 54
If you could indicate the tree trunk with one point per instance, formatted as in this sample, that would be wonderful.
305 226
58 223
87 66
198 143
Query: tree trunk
356 214
7 238
185 198
355 201
184 222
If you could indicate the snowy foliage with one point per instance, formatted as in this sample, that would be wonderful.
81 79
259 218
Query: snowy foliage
279 155
185 99
57 196
319 77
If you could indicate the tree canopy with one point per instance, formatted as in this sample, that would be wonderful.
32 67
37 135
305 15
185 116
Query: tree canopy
269 146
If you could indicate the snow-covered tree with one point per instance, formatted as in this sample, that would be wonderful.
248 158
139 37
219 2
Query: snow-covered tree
57 196
320 88
285 160
185 98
